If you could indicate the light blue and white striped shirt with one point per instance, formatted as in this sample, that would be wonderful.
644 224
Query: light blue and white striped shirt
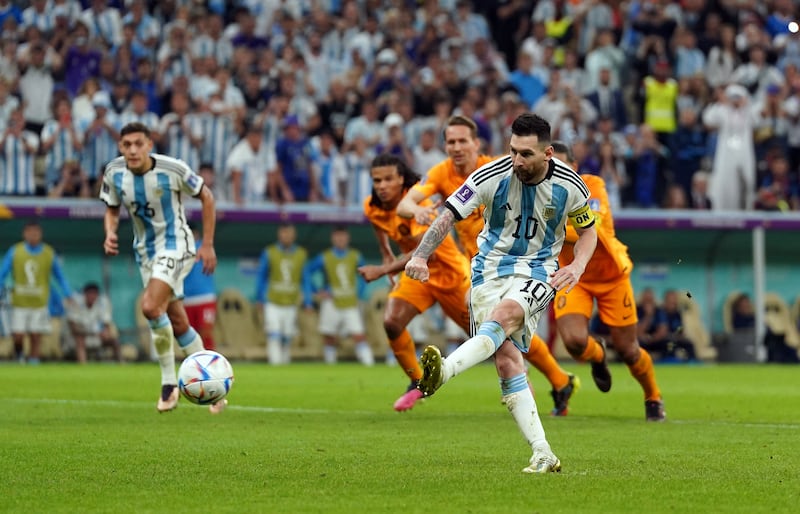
179 140
16 168
63 149
155 201
219 137
99 147
44 21
148 118
524 225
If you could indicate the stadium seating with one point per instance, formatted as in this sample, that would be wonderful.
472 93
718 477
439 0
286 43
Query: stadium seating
241 334
695 330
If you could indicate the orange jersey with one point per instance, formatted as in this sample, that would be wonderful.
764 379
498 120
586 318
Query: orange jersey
610 260
443 179
448 266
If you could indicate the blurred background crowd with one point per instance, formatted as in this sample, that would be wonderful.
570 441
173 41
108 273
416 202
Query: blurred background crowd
690 104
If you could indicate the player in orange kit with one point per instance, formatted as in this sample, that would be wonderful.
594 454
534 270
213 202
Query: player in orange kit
463 146
449 283
607 280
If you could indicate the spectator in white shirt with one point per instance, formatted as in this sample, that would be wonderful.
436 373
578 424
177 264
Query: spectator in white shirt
248 168
91 324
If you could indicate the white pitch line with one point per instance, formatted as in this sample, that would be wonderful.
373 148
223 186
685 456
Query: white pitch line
118 403
288 410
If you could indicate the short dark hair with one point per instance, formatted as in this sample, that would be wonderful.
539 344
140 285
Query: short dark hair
91 286
385 159
530 124
562 147
133 128
32 223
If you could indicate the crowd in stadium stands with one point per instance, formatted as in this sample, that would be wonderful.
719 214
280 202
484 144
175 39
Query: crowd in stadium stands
691 104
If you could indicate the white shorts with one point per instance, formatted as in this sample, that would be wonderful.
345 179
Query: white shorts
170 267
25 320
532 295
339 322
280 320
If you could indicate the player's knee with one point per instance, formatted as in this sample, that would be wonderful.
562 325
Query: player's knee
393 327
575 340
628 353
150 308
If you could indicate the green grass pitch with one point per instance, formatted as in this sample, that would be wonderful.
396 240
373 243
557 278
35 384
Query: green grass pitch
316 438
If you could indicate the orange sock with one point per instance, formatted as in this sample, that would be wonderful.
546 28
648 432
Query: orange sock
405 352
644 372
541 359
593 351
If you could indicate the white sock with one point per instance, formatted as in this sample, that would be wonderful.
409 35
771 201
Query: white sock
274 352
286 350
162 336
522 407
190 341
364 354
329 352
471 352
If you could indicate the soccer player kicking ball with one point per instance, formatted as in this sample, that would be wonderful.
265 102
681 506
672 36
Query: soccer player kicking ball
462 145
607 280
151 186
528 198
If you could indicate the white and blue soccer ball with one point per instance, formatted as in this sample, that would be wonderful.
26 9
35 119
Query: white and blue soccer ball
205 377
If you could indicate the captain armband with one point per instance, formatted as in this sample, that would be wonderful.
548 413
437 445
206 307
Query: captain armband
583 217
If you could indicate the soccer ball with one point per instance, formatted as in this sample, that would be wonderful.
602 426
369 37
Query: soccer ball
205 377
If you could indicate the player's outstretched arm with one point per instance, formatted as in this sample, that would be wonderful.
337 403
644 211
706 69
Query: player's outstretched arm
110 225
206 253
409 208
417 266
568 276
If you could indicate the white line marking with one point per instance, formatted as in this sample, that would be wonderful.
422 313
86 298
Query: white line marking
288 410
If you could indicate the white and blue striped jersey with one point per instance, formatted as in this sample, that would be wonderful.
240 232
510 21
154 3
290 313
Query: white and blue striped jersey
98 147
44 21
155 201
148 118
524 225
219 138
16 165
178 134
63 149
106 25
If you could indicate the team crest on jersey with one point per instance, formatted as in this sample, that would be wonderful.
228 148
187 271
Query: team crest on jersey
549 212
404 230
158 192
594 204
464 194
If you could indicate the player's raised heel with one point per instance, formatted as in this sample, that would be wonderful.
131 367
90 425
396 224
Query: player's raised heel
654 410
600 372
543 461
561 397
431 362
409 398
169 398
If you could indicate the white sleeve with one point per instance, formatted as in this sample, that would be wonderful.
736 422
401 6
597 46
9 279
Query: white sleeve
465 199
108 192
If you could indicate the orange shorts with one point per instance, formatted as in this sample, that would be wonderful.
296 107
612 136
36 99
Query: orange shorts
615 302
423 295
